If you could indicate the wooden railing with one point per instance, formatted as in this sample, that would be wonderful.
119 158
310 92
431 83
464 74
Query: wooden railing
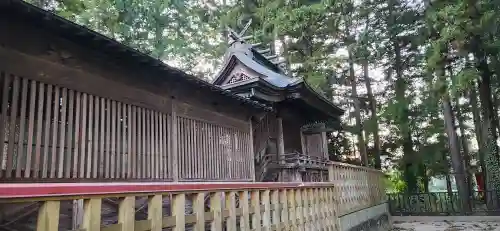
235 206
194 206
356 187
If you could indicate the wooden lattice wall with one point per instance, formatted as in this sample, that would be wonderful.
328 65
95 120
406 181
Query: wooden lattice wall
53 132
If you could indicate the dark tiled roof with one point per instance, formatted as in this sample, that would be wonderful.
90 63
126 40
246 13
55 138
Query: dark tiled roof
89 38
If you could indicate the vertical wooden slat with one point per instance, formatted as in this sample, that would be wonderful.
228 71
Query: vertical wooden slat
48 119
155 215
306 208
144 143
196 148
3 118
266 216
55 124
166 146
216 209
126 213
150 129
83 139
125 151
140 152
62 131
69 134
298 211
150 150
180 140
12 127
161 122
113 139
22 121
134 151
102 138
188 136
76 152
90 133
275 202
231 207
130 133
109 154
256 216
284 208
245 211
210 153
31 127
156 145
95 153
118 139
292 216
173 137
199 211
178 211
204 138
48 216
92 214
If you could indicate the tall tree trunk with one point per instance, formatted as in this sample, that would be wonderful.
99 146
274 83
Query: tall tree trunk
357 111
456 157
488 129
403 121
463 138
478 130
373 108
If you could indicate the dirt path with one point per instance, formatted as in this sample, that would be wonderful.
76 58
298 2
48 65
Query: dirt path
447 226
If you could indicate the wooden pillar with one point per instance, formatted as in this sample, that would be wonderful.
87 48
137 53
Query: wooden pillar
281 140
281 148
324 141
174 164
252 152
303 142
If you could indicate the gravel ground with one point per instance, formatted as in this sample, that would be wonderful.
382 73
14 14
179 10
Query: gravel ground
447 226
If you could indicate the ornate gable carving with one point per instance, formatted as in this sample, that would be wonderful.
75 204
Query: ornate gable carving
238 77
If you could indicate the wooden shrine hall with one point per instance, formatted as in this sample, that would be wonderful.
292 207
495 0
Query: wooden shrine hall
96 135
77 105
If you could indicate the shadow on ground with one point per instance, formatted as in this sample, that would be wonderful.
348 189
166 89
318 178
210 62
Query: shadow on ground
446 226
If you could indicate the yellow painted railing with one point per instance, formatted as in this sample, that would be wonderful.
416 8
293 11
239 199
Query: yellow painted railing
200 206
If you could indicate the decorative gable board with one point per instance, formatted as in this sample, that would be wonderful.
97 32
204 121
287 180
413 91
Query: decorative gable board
239 73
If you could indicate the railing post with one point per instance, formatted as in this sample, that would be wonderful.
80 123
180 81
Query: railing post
48 216
178 211
126 213
245 216
155 212
266 216
231 207
331 172
92 214
284 209
216 208
276 209
256 217
292 216
199 211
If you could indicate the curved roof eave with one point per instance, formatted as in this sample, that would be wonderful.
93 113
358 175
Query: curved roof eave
95 40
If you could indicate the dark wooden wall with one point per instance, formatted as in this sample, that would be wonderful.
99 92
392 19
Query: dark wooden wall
73 112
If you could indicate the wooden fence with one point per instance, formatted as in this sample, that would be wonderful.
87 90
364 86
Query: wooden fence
184 206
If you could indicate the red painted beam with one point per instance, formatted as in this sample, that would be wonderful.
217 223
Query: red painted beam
30 190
